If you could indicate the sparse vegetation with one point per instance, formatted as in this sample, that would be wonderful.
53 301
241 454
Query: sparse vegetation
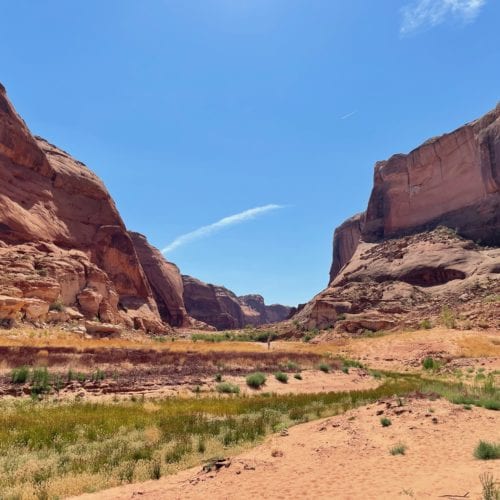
227 388
487 451
19 375
399 449
298 376
430 363
491 487
425 324
245 336
256 380
324 367
74 447
386 422
281 377
57 305
448 317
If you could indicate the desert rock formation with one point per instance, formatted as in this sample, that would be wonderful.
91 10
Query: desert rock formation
221 308
397 257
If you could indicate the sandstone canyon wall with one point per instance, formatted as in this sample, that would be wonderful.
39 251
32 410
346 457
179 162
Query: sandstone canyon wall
394 259
222 309
65 253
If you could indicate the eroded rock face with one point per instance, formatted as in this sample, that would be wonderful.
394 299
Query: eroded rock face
221 308
452 180
51 203
165 280
402 281
256 312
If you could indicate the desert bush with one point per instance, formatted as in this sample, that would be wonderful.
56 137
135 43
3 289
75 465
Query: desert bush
430 363
227 388
425 324
386 422
487 451
399 449
448 317
324 367
218 377
57 305
40 382
298 376
281 377
19 375
256 380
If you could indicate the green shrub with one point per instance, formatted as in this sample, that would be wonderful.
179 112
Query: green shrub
256 380
345 369
227 388
487 451
218 377
19 375
281 377
57 305
425 324
386 422
324 367
298 376
399 449
40 381
448 317
430 363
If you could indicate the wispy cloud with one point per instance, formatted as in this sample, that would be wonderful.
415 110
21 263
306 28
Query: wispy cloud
348 115
232 220
421 14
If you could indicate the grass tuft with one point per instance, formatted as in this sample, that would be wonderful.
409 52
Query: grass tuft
256 380
487 451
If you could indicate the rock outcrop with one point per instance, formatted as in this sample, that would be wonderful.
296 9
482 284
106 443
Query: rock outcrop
400 282
221 308
63 238
380 271
165 280
65 253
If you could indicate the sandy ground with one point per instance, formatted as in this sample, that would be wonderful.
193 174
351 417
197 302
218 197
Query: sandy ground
348 457
312 381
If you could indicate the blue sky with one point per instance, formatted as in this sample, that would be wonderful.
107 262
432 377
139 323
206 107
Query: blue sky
193 111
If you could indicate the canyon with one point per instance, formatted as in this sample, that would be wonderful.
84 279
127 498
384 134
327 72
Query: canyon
67 256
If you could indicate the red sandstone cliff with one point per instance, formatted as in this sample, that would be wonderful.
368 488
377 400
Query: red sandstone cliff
452 181
58 215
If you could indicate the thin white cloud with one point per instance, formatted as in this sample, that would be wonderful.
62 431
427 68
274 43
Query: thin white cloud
422 14
348 115
232 220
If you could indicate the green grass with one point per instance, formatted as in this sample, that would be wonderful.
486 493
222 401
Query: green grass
73 447
229 336
399 449
385 422
491 487
281 377
227 388
487 451
324 367
256 380
430 363
20 375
